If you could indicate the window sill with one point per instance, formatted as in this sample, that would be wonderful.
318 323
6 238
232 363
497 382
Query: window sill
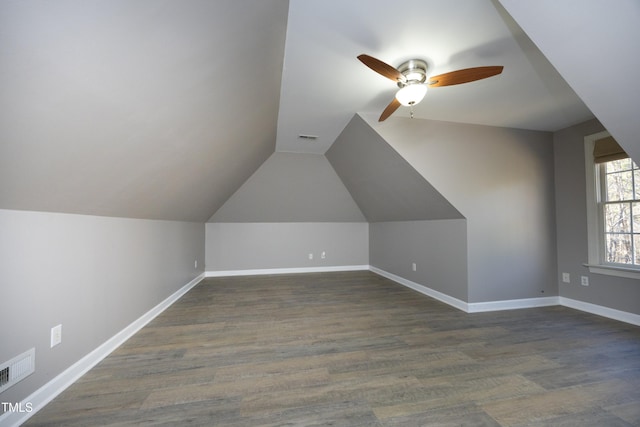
610 270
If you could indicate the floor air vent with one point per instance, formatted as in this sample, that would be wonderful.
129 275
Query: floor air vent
17 369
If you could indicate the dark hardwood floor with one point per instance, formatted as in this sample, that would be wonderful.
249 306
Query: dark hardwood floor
354 349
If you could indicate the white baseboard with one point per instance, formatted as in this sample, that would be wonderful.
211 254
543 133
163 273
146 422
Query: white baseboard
599 310
53 388
45 394
513 304
259 272
447 299
475 307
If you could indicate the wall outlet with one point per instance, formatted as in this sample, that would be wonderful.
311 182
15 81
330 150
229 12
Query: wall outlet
56 335
323 255
584 281
566 278
310 256
195 264
414 267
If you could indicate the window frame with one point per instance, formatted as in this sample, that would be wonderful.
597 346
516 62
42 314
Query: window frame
595 219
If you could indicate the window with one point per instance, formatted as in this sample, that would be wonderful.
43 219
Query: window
613 208
619 211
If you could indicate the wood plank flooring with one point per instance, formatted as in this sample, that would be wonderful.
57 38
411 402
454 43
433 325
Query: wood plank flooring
354 349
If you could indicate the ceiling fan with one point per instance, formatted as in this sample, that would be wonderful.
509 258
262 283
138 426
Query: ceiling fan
411 77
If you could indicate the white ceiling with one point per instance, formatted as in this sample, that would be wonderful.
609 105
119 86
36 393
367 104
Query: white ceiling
323 84
595 44
162 109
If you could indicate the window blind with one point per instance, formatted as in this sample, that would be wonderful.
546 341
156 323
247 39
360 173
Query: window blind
607 150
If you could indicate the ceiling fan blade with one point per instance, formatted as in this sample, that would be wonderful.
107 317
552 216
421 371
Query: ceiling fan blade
464 76
391 108
382 68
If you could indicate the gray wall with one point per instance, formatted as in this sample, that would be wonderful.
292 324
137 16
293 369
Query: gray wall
570 183
501 180
437 247
382 183
94 275
246 246
293 205
291 187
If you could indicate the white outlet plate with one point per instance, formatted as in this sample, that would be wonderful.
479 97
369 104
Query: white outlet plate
56 335
310 256
414 267
584 281
566 278
323 255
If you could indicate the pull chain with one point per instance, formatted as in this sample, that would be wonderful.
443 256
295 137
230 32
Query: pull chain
411 112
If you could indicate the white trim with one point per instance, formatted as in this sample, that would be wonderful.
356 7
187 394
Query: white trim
595 236
513 304
478 307
295 270
611 270
592 182
57 385
447 299
599 310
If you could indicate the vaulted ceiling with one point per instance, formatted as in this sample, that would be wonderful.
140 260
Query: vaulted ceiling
162 109
323 83
154 109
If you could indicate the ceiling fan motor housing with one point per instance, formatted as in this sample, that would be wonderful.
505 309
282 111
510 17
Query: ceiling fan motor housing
415 71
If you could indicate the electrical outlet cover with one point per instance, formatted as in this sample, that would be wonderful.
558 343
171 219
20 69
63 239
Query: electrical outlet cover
56 335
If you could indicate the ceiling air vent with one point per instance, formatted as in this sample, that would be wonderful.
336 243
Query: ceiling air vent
308 137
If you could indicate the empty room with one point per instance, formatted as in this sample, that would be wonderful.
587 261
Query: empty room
319 212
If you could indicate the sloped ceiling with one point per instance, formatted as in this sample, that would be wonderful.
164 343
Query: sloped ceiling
383 184
323 83
154 109
162 109
595 45
291 187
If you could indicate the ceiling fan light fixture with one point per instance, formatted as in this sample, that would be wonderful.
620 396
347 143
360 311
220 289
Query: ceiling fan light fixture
411 78
411 94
